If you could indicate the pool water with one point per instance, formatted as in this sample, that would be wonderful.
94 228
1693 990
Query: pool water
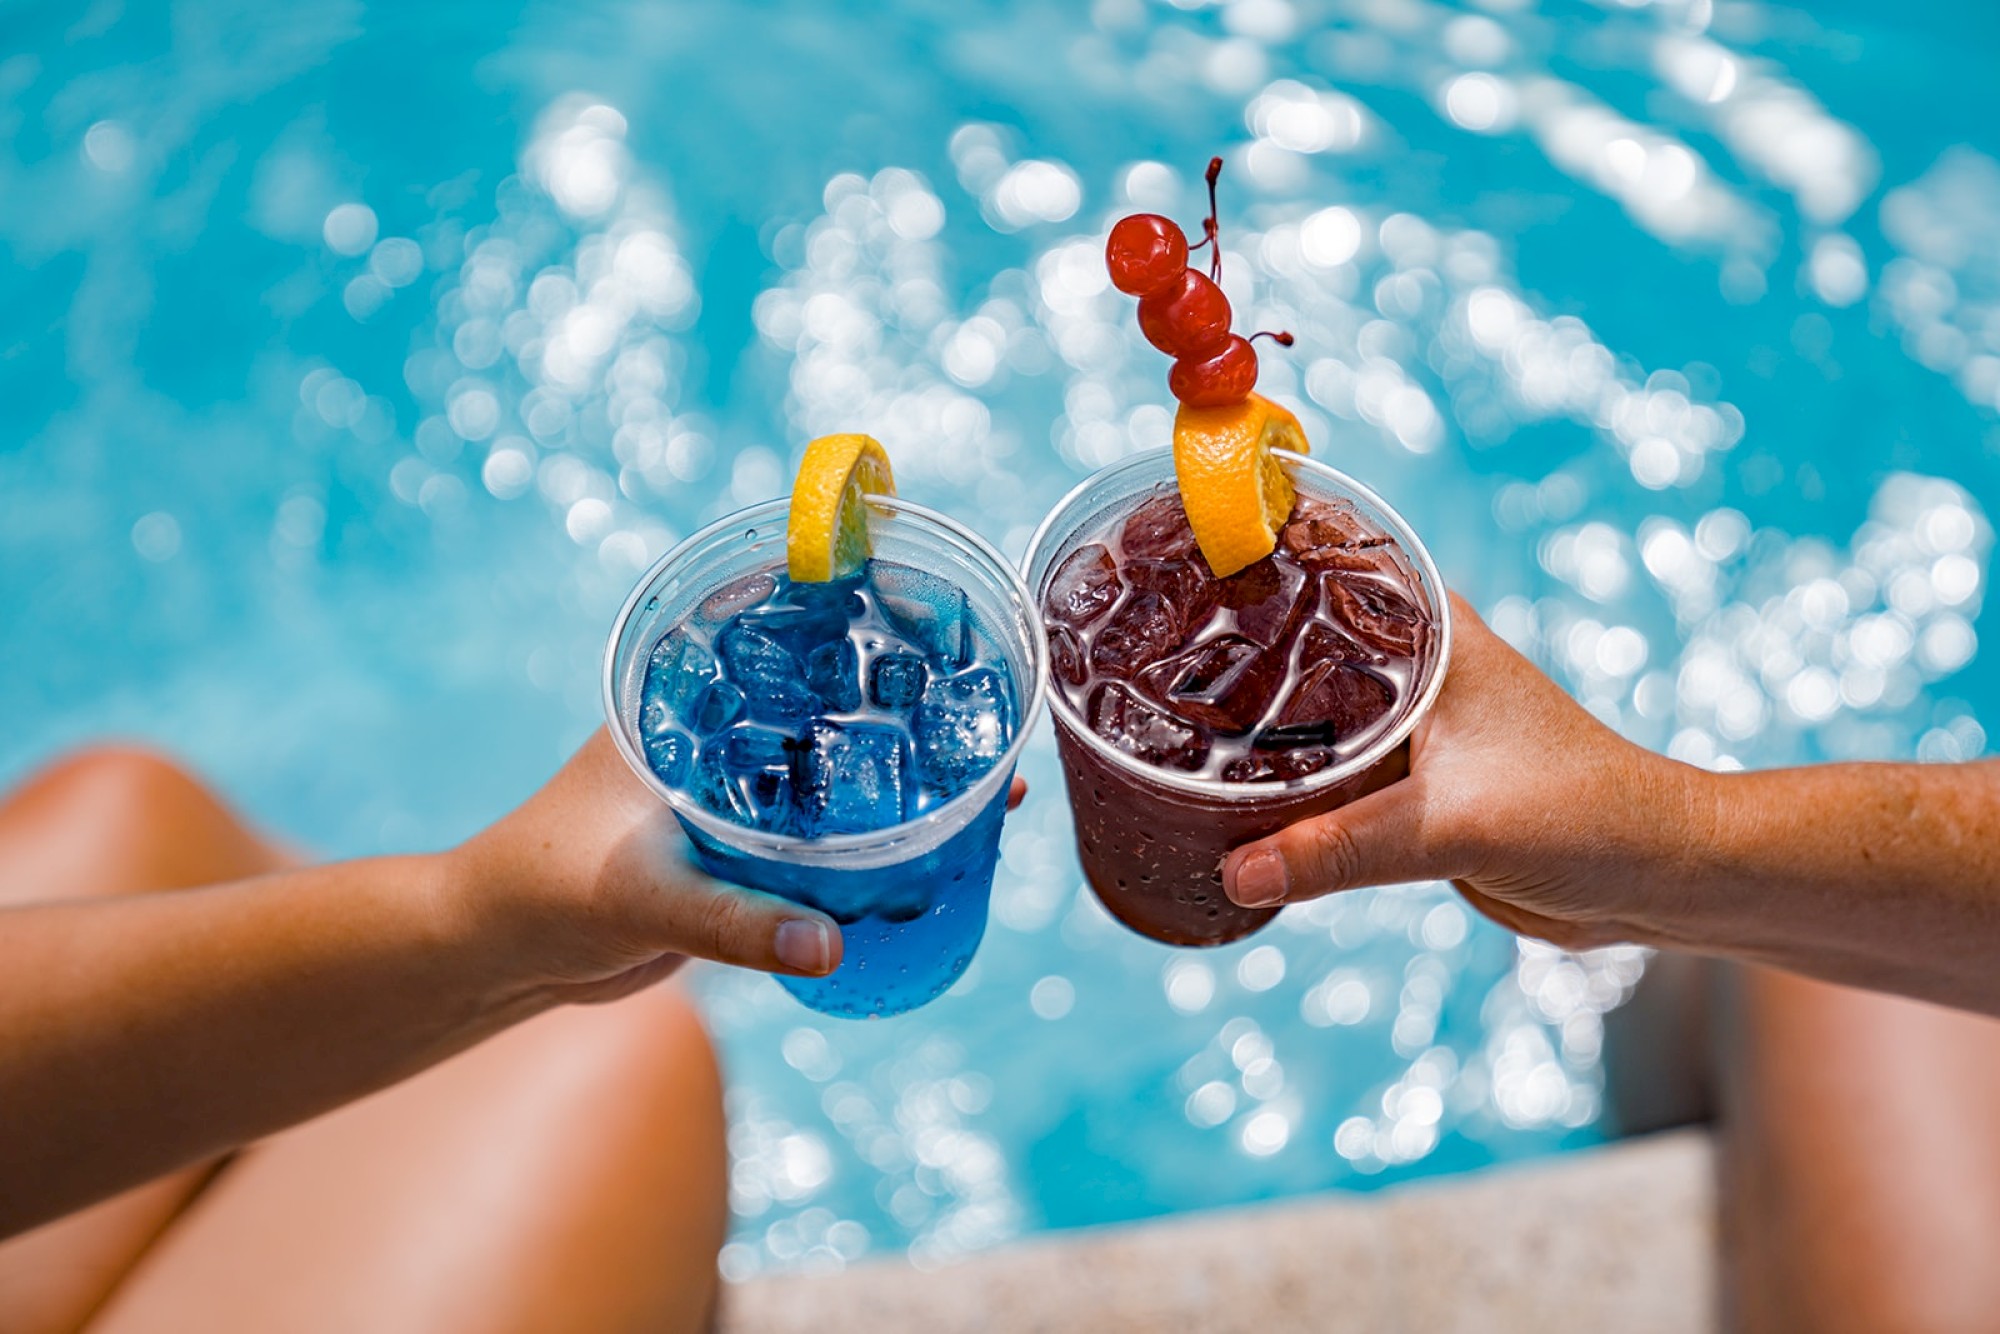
358 357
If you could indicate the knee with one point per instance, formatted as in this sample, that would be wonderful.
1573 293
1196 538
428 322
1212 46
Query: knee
133 819
119 783
652 1042
645 1072
661 1029
652 1054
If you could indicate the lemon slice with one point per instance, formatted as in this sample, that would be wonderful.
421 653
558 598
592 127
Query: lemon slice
826 535
1236 494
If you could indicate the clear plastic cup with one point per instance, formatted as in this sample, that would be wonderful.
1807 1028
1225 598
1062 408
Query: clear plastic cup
911 899
1152 840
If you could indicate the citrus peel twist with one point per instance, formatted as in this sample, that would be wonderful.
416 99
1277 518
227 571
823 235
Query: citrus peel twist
1234 488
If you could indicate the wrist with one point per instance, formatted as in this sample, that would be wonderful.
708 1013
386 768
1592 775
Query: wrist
1679 830
479 919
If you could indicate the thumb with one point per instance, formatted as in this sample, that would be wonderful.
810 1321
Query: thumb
681 911
707 919
1378 840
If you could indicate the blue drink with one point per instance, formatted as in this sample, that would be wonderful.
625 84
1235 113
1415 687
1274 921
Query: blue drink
843 708
846 745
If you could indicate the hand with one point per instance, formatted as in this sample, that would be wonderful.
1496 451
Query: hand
591 882
1546 820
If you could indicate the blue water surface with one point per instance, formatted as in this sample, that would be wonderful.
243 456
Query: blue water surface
357 357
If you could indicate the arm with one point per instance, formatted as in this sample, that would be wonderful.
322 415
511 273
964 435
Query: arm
1876 875
143 1033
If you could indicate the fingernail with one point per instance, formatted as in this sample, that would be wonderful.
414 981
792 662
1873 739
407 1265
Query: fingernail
804 944
1260 880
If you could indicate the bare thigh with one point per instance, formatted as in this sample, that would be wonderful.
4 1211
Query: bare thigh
570 1173
106 822
1861 1161
567 1174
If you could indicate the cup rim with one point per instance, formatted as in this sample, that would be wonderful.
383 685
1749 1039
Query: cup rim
1217 790
793 846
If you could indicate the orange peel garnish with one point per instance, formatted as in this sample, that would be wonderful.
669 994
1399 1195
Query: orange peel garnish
1236 492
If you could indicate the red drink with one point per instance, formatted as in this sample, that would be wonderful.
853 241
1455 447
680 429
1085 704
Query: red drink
1195 714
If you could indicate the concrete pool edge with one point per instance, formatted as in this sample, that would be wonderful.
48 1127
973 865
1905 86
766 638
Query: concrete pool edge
1621 1237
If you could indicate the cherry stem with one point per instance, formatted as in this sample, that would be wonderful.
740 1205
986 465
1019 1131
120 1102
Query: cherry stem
1281 338
1212 229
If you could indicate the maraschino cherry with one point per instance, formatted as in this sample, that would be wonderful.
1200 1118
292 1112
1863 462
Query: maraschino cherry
1182 311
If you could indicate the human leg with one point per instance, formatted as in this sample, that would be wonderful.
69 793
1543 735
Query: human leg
104 822
567 1174
1861 1179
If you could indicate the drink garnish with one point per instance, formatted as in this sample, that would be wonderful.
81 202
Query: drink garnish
826 533
1237 495
1182 311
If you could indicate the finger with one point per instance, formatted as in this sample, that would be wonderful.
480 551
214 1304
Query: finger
1381 839
681 911
1017 793
706 919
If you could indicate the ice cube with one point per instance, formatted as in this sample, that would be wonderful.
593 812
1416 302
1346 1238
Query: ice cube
718 705
1225 684
771 792
670 755
1305 760
1333 701
1320 642
962 727
1185 585
1372 556
1266 599
928 610
758 763
770 676
896 680
1375 612
1174 580
738 595
749 654
833 670
810 615
679 666
1066 654
748 747
1249 769
785 704
1323 526
1141 632
1158 530
1137 728
718 790
834 597
850 778
1276 766
1083 587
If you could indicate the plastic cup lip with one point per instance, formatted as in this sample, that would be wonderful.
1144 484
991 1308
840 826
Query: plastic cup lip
1047 538
833 847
